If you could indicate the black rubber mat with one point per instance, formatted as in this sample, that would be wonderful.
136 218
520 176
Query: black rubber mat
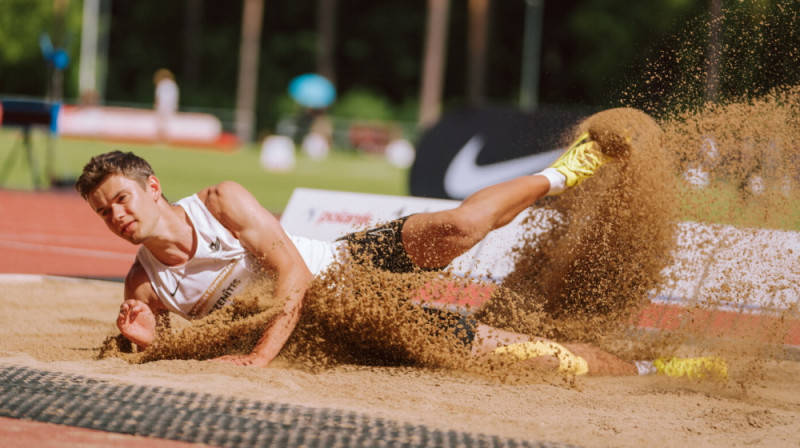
166 413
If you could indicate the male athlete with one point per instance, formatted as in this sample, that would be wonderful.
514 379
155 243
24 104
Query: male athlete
200 252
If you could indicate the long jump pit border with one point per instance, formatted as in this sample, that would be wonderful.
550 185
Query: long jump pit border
166 413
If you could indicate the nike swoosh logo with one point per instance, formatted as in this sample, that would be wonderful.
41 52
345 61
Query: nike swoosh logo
176 289
464 176
381 232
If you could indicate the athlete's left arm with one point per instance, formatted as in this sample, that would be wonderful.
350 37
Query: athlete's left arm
262 235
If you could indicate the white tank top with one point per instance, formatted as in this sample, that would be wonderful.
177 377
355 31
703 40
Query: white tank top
220 268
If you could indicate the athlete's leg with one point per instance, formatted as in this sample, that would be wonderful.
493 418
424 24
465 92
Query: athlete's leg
489 339
600 361
434 239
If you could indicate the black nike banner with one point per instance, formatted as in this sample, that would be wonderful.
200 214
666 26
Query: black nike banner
473 148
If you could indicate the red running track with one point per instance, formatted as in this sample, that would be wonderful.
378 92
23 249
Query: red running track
57 233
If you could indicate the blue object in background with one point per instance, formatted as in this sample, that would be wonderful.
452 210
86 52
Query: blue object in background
46 45
312 91
28 113
58 57
55 109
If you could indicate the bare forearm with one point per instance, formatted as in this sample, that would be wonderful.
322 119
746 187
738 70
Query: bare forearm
293 286
279 330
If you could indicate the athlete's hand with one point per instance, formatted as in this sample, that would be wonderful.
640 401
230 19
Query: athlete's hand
137 322
251 359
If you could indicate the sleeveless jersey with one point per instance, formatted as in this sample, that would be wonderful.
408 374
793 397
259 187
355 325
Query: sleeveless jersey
220 268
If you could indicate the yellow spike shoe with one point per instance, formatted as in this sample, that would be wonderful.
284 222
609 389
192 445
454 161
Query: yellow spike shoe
696 368
581 160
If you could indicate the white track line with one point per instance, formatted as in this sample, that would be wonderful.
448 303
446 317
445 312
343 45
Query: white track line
46 248
37 278
48 238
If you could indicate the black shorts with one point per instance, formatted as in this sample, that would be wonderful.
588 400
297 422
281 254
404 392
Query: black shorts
464 327
382 246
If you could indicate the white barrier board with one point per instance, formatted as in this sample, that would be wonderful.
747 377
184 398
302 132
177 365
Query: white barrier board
136 124
735 268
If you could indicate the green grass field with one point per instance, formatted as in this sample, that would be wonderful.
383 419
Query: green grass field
185 170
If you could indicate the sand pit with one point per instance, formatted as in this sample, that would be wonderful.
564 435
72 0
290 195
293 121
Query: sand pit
58 324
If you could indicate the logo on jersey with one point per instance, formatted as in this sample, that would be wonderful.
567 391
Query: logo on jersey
226 294
215 245
176 289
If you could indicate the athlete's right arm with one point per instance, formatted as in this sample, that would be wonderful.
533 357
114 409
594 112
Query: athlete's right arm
141 314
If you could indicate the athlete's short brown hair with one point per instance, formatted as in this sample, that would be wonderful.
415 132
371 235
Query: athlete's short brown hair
99 167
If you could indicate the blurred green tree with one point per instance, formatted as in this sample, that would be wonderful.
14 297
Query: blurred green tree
23 69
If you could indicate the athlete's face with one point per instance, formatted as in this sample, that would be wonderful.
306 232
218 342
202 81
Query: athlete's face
128 210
